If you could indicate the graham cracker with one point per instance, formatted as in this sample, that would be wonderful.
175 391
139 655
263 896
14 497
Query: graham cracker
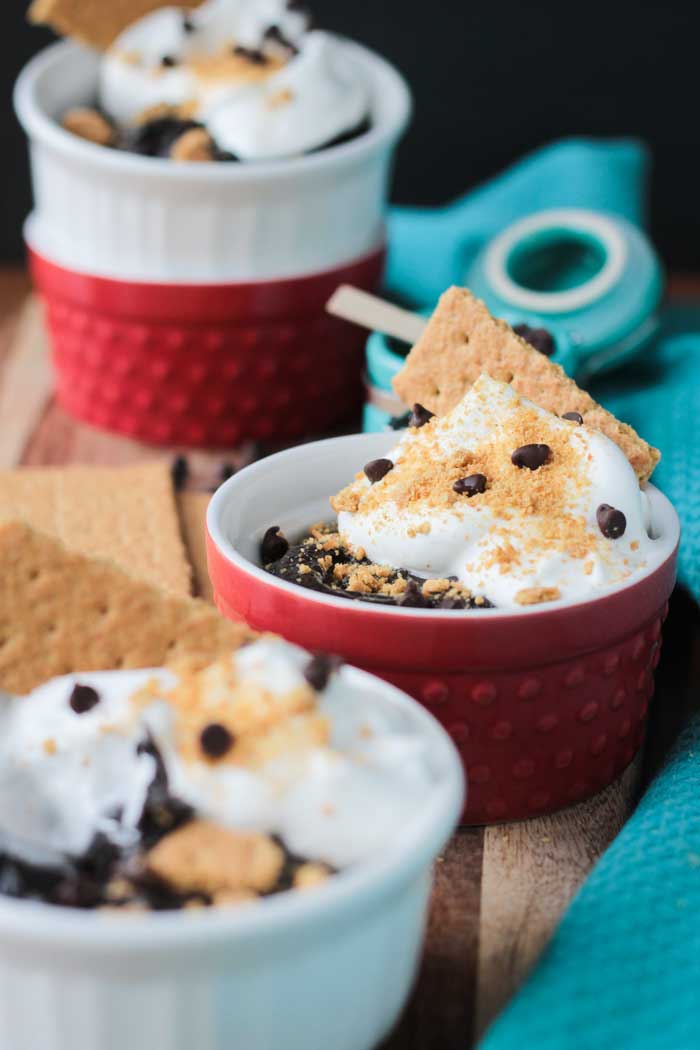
96 23
125 514
61 611
192 508
462 340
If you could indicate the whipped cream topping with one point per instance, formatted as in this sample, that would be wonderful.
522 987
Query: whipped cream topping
336 778
530 535
249 70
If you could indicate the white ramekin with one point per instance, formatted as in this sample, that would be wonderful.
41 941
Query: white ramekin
133 218
329 969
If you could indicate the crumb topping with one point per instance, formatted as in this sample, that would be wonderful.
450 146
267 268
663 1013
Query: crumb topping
203 857
215 705
90 125
537 595
426 479
235 64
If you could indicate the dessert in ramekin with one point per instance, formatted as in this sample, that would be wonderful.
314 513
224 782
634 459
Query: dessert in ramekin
511 572
186 300
281 814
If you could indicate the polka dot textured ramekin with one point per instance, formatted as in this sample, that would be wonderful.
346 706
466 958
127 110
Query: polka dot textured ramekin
547 705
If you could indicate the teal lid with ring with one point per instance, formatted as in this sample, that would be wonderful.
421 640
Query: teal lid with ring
583 286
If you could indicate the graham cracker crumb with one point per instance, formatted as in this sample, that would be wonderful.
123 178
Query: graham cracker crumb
418 530
348 499
537 595
203 857
90 125
164 111
462 341
431 587
309 876
262 725
280 99
195 146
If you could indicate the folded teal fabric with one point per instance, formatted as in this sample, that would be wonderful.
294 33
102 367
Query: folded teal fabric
660 397
623 970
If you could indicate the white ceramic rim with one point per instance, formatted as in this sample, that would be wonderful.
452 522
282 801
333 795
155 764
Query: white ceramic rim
665 523
576 219
45 129
414 848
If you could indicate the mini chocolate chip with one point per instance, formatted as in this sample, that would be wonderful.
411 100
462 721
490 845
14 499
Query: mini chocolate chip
319 670
400 422
470 486
612 523
180 472
274 545
452 603
187 24
216 740
413 597
226 471
531 456
420 416
252 54
168 61
83 699
378 469
539 338
275 34
573 417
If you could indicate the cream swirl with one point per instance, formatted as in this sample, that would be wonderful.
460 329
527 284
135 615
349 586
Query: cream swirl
249 70
517 535
67 776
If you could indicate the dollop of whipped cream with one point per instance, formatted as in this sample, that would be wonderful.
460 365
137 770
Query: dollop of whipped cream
531 535
262 83
334 773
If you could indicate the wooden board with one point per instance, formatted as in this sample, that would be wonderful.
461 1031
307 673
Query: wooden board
499 891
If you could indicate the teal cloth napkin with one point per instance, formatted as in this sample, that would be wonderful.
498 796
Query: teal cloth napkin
623 970
660 397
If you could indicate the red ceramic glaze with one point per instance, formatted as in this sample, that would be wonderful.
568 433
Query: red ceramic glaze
204 365
546 708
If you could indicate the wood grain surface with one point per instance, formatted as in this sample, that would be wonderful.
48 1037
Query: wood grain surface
499 892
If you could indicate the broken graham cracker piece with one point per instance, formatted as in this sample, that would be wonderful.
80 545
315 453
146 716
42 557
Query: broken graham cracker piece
462 340
207 858
125 514
192 509
89 124
95 22
61 611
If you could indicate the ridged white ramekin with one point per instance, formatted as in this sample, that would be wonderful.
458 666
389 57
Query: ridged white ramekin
329 969
119 215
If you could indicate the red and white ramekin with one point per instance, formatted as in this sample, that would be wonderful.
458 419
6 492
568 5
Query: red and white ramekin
185 302
547 705
328 968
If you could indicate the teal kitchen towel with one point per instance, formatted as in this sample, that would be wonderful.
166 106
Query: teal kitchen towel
623 970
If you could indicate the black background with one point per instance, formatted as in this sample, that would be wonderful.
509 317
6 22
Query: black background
491 81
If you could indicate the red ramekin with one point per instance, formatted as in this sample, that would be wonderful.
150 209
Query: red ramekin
204 365
547 705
